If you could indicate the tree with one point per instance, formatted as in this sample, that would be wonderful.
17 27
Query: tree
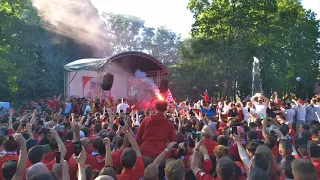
227 34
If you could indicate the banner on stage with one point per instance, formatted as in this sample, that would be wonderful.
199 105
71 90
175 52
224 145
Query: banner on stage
92 88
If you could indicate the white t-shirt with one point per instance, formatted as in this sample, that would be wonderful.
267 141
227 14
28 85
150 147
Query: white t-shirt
123 107
261 109
289 114
301 112
246 114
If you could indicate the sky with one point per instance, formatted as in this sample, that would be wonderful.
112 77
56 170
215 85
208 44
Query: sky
170 13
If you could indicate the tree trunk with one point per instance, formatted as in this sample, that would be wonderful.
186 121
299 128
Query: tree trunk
229 86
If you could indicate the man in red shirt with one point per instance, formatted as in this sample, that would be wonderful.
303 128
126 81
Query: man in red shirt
206 139
155 132
10 147
131 160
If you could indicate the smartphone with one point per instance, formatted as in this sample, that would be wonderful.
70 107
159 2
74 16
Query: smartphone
315 150
77 148
234 130
121 121
58 156
249 110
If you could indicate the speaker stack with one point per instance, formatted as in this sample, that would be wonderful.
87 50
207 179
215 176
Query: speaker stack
107 82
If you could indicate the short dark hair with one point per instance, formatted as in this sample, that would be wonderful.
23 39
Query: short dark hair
225 168
306 134
35 154
257 173
252 146
305 127
252 135
9 168
252 125
285 145
11 145
117 141
260 161
223 140
303 169
270 141
86 130
128 158
161 106
285 165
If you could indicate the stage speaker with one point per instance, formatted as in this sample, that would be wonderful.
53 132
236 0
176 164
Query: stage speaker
107 82
164 85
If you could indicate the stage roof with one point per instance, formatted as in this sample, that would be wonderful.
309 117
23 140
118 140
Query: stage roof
130 61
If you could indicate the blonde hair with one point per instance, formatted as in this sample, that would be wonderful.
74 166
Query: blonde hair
175 170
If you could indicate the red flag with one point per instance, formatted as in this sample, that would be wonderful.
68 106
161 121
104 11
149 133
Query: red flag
206 96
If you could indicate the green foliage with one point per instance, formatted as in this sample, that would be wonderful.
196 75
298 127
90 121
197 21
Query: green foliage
227 34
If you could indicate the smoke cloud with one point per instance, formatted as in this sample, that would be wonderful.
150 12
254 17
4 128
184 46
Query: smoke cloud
77 19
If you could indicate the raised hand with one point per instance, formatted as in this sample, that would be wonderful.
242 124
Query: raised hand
19 139
171 145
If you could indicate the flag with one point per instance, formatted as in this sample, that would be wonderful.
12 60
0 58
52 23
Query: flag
169 97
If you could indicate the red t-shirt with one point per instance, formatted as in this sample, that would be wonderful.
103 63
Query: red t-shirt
316 163
154 133
207 166
9 156
275 152
233 151
134 173
116 160
70 149
210 145
51 155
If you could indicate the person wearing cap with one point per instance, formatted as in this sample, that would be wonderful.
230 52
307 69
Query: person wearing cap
300 108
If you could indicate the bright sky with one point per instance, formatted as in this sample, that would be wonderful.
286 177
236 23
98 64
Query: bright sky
170 13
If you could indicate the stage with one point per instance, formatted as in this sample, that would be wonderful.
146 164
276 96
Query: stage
83 77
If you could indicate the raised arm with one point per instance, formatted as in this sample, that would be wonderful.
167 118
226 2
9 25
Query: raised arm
161 157
108 158
195 160
81 160
21 167
242 152
62 147
132 141
10 118
253 99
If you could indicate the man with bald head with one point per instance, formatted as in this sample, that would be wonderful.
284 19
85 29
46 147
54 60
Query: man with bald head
104 177
35 169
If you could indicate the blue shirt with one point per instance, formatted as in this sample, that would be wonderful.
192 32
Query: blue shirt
209 112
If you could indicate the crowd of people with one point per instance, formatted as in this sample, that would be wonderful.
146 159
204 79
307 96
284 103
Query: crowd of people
86 139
